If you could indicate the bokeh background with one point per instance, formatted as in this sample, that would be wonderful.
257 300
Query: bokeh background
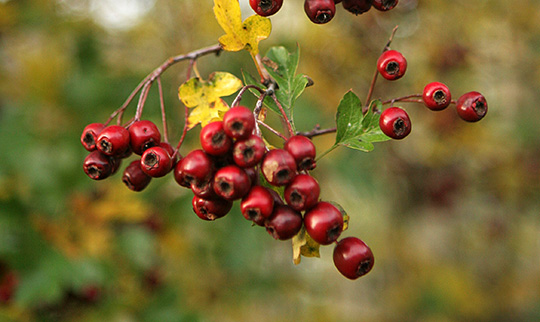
451 212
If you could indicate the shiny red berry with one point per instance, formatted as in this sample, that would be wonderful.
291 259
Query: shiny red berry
143 134
353 258
436 96
357 6
238 122
253 174
169 148
284 223
384 5
324 223
249 152
302 193
156 162
231 182
472 106
211 209
214 141
196 166
113 140
257 205
134 177
90 135
266 8
204 189
278 167
392 65
395 123
303 151
98 166
320 11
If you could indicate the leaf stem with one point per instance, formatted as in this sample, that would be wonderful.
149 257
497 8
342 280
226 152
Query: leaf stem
320 156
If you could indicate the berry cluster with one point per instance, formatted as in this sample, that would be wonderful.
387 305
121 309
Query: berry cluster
395 122
322 11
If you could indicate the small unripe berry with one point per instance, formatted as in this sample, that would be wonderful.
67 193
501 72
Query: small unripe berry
472 106
324 223
436 96
156 162
303 151
266 8
113 140
284 223
320 11
214 141
90 135
353 258
143 134
134 177
278 167
395 123
238 122
392 65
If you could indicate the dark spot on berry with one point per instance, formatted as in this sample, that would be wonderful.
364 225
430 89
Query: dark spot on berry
248 154
323 17
272 232
334 232
392 68
151 160
266 5
440 97
253 213
89 139
218 139
296 198
307 164
388 4
126 180
148 145
283 175
237 126
480 108
105 145
94 172
225 187
400 127
364 267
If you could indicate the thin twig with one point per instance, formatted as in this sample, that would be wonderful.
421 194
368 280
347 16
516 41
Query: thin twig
238 97
285 118
317 131
163 115
272 130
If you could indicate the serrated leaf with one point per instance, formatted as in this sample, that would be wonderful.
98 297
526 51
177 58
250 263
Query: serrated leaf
304 245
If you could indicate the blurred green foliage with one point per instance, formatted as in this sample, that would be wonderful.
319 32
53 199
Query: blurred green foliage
451 213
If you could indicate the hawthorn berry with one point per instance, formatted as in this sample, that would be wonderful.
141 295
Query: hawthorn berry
113 140
266 8
472 106
238 122
249 152
320 11
98 166
302 193
134 177
214 141
196 166
284 223
278 167
253 174
169 148
231 182
211 209
303 151
384 5
436 96
203 189
90 135
353 258
357 6
156 162
324 223
392 65
257 205
143 134
395 123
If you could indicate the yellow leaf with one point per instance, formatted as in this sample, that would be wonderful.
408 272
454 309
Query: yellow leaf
240 35
207 113
304 245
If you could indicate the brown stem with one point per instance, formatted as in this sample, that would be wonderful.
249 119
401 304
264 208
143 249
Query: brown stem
285 118
407 98
272 130
238 97
163 115
317 131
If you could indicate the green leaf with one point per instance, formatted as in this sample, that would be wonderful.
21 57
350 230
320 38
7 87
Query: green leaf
268 101
357 131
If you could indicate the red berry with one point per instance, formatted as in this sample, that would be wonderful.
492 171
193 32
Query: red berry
257 205
436 96
253 174
384 5
231 182
196 166
211 209
8 285
98 166
353 258
214 141
238 122
90 135
320 11
395 123
303 152
302 193
357 6
278 167
284 223
156 162
392 65
113 140
203 189
169 148
324 223
265 8
472 106
143 134
134 177
249 152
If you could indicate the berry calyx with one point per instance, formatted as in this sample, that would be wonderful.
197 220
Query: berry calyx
156 162
196 166
99 166
357 6
231 182
266 8
353 258
134 177
278 167
384 5
324 223
214 141
238 122
211 209
284 223
143 134
249 152
90 135
257 205
303 151
113 140
472 106
436 96
392 65
302 193
320 11
395 123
